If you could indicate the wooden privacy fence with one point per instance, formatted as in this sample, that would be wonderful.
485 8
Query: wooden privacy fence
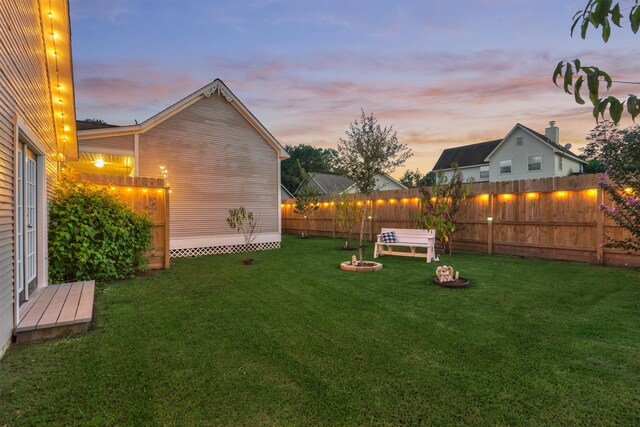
555 218
148 195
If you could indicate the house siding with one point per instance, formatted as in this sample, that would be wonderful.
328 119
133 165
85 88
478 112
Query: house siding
519 156
24 92
568 166
468 172
118 144
216 161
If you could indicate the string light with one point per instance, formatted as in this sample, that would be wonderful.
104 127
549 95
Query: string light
56 69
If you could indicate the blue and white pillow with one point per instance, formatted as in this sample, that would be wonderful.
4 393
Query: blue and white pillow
389 237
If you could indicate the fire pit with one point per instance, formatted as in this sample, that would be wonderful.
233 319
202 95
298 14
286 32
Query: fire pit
362 267
446 277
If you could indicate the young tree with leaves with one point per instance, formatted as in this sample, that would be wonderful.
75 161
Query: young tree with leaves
440 205
307 199
247 224
347 215
600 14
369 150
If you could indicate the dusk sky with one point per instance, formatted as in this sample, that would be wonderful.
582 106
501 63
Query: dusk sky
442 72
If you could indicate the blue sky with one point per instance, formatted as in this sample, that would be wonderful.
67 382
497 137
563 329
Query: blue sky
442 72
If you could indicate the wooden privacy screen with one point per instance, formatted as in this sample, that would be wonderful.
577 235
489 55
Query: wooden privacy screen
148 195
555 218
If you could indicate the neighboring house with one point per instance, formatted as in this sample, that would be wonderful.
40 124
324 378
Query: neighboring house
217 156
328 183
522 154
284 194
37 133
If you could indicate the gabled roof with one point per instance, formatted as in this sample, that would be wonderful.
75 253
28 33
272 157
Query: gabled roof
329 183
88 124
466 155
216 87
379 178
557 148
285 194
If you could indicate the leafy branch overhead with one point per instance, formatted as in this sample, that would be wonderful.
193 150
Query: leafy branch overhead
601 15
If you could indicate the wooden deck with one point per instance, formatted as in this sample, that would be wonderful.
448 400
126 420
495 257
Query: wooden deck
56 310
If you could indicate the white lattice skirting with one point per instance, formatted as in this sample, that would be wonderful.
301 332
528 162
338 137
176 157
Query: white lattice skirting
216 250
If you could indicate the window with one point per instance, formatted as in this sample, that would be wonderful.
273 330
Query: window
505 166
560 163
519 141
484 172
535 163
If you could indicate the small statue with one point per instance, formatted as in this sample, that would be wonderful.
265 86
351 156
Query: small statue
354 260
445 274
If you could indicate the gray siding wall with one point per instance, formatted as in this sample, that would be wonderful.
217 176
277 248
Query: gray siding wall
24 90
216 161
468 172
519 155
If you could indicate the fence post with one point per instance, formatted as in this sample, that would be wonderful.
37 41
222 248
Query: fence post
599 227
167 231
490 226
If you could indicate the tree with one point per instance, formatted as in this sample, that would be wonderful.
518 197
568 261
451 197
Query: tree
369 150
306 202
303 159
619 151
247 224
440 204
347 215
599 14
414 179
96 121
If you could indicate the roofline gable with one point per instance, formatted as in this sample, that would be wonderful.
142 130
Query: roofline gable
216 87
536 136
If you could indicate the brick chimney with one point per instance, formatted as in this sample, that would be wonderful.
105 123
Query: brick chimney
552 132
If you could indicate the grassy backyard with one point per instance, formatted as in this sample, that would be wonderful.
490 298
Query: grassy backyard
294 340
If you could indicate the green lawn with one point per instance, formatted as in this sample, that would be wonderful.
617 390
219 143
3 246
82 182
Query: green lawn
294 340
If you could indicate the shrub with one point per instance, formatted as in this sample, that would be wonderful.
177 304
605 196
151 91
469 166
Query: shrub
94 235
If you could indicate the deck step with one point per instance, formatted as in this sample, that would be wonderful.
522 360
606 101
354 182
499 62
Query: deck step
55 311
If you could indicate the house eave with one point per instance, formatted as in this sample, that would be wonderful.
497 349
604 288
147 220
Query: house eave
216 87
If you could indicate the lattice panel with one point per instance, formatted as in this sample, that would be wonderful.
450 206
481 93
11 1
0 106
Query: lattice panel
216 250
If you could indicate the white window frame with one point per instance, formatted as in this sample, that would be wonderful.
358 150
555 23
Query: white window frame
529 163
510 166
560 163
486 169
519 141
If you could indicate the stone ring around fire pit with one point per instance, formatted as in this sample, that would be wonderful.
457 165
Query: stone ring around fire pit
362 267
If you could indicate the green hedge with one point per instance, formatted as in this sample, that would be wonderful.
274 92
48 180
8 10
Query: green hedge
94 235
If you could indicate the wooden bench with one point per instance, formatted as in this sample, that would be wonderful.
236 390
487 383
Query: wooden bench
411 238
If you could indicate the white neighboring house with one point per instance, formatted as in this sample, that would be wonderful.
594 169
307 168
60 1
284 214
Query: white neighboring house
328 183
522 154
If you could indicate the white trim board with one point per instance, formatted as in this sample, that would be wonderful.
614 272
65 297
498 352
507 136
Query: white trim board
208 241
